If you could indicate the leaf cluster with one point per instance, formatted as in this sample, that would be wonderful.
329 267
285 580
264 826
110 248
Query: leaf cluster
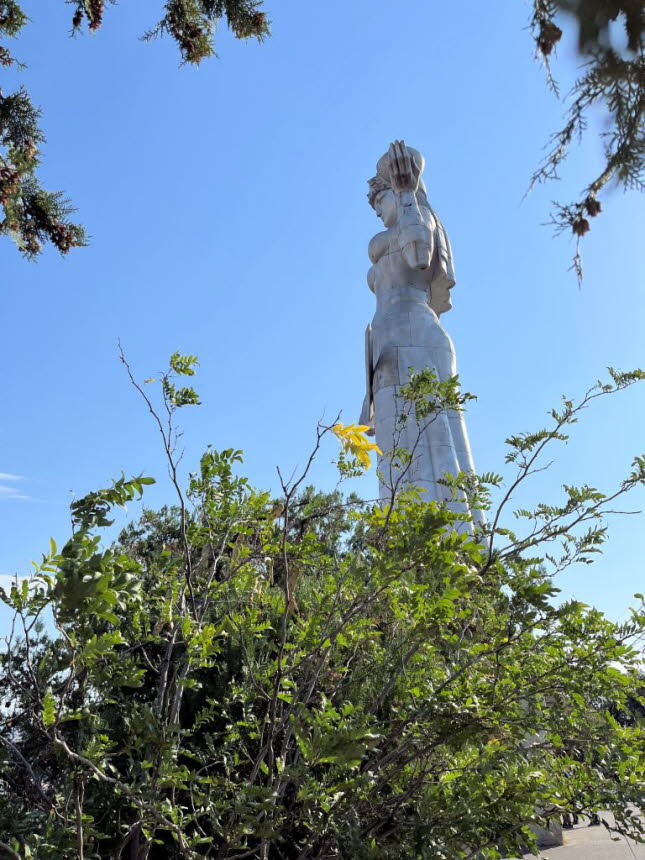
354 442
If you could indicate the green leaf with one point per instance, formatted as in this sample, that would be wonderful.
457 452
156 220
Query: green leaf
49 708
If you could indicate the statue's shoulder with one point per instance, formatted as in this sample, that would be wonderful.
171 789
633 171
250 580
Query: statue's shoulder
378 245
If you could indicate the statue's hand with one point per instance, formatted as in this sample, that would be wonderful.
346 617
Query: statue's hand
404 173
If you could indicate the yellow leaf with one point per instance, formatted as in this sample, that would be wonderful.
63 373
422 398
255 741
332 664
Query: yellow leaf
352 438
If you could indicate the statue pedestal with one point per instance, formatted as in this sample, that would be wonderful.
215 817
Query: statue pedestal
551 837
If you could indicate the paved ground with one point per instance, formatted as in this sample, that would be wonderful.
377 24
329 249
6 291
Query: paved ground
593 843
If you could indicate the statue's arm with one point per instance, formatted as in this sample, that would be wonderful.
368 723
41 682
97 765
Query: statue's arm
415 238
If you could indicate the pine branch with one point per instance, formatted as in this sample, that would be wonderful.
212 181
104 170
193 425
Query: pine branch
614 80
192 23
34 216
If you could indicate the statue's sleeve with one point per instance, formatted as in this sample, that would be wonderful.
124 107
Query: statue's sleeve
443 277
367 412
445 253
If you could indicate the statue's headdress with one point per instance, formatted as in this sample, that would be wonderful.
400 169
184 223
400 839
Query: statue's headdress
376 185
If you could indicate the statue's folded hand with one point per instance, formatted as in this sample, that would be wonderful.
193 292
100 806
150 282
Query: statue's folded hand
404 172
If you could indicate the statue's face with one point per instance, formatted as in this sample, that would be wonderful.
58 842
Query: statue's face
385 207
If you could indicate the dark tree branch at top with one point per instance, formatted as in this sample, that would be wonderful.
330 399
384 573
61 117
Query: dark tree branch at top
611 40
34 216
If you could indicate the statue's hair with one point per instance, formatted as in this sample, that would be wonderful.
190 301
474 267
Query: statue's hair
376 185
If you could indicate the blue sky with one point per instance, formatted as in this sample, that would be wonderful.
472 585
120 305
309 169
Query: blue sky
228 217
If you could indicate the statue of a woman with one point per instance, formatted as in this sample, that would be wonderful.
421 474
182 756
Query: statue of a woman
411 276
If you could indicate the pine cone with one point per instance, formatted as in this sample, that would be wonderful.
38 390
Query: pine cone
592 206
97 7
580 226
549 35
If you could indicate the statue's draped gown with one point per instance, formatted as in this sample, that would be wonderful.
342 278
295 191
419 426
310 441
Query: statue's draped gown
406 333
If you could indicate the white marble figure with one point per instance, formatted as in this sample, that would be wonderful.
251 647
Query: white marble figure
411 276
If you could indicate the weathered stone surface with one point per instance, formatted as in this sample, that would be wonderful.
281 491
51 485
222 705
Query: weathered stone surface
411 276
551 837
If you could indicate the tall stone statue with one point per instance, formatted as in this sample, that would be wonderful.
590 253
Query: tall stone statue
411 276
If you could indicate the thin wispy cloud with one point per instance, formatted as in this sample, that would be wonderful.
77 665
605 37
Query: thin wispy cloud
8 491
11 493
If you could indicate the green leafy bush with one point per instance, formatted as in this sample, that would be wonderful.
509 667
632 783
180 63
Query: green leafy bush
312 676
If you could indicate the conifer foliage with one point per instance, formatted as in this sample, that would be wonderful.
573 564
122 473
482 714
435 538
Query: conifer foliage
611 41
34 216
611 44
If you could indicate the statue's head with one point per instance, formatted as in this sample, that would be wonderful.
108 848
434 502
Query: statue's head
380 195
383 201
